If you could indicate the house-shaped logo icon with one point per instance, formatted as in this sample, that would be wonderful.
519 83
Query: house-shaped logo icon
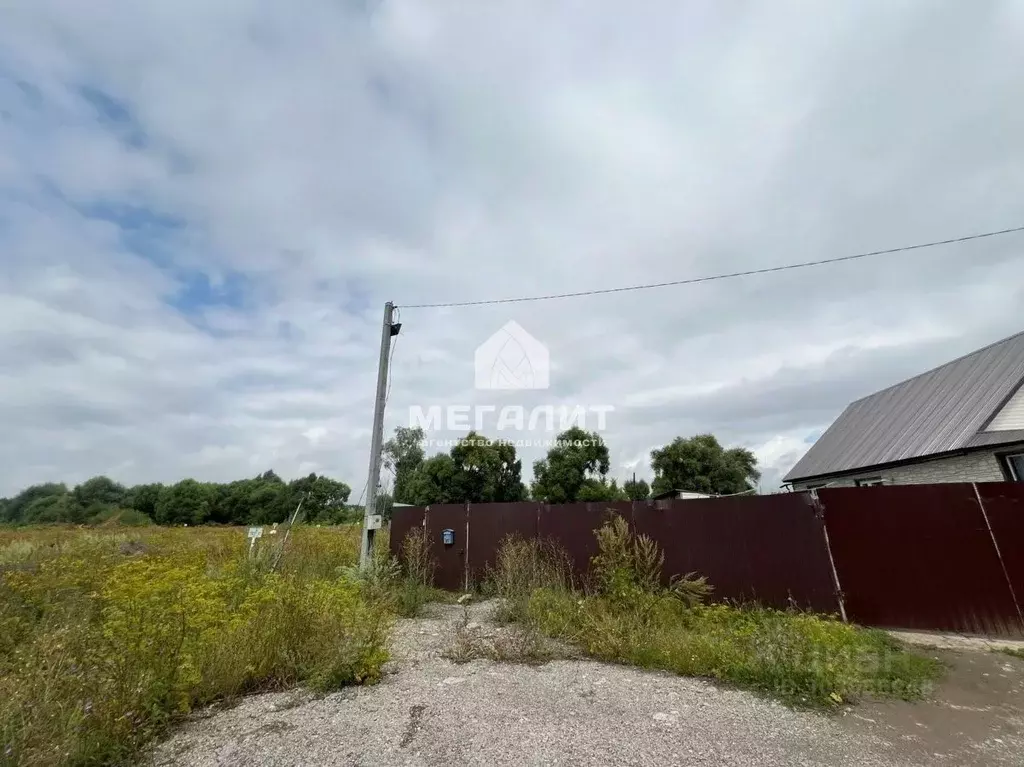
512 359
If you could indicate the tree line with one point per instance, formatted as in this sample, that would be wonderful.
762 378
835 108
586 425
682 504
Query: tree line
476 470
265 499
480 470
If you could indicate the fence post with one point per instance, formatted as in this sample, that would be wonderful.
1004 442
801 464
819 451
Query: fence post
465 559
819 512
999 554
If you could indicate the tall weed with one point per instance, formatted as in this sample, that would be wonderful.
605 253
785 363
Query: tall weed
629 567
806 660
523 566
416 586
105 639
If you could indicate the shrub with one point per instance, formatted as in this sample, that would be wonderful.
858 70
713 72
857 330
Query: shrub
379 580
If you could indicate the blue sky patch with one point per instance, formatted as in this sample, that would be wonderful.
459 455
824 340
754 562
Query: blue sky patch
198 291
115 115
811 438
160 239
156 237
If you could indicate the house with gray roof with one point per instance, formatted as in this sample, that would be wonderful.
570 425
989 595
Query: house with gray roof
961 422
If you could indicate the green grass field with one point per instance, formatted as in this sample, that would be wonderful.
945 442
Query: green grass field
109 635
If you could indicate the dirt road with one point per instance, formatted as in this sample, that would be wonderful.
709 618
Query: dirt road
429 711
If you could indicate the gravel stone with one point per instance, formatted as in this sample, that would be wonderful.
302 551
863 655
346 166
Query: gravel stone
430 711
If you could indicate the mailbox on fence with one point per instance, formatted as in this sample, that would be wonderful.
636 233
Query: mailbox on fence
448 536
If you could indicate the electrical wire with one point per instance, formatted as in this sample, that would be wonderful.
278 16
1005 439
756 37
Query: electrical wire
366 484
695 280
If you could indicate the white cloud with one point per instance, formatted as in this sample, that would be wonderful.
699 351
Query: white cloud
314 165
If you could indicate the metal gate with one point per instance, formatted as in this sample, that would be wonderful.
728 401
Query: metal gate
450 557
918 557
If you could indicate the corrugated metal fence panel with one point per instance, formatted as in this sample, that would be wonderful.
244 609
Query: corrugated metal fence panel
768 549
622 508
572 526
403 519
490 524
451 559
1004 504
917 556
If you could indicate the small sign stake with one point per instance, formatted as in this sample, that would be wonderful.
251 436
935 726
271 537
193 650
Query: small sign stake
254 533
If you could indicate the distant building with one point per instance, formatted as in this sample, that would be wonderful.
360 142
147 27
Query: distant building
682 495
961 422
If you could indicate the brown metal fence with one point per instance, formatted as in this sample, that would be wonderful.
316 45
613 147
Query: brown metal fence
490 524
451 558
766 549
574 531
1004 507
403 521
934 557
919 557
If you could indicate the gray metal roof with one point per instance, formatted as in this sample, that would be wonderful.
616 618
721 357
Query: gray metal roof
935 412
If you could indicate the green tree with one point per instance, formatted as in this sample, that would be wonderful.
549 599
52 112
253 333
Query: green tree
17 508
261 500
577 457
270 477
186 503
477 470
323 499
487 471
143 498
600 490
54 508
636 489
99 493
269 500
435 481
403 455
700 464
231 504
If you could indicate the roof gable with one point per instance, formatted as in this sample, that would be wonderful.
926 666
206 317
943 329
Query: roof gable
934 412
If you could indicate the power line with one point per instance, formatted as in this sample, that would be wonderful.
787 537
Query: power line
695 280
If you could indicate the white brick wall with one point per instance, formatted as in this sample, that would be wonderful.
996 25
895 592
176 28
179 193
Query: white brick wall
980 466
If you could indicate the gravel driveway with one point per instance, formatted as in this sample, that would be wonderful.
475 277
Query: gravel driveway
429 711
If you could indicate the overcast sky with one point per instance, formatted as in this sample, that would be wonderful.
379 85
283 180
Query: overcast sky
204 206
